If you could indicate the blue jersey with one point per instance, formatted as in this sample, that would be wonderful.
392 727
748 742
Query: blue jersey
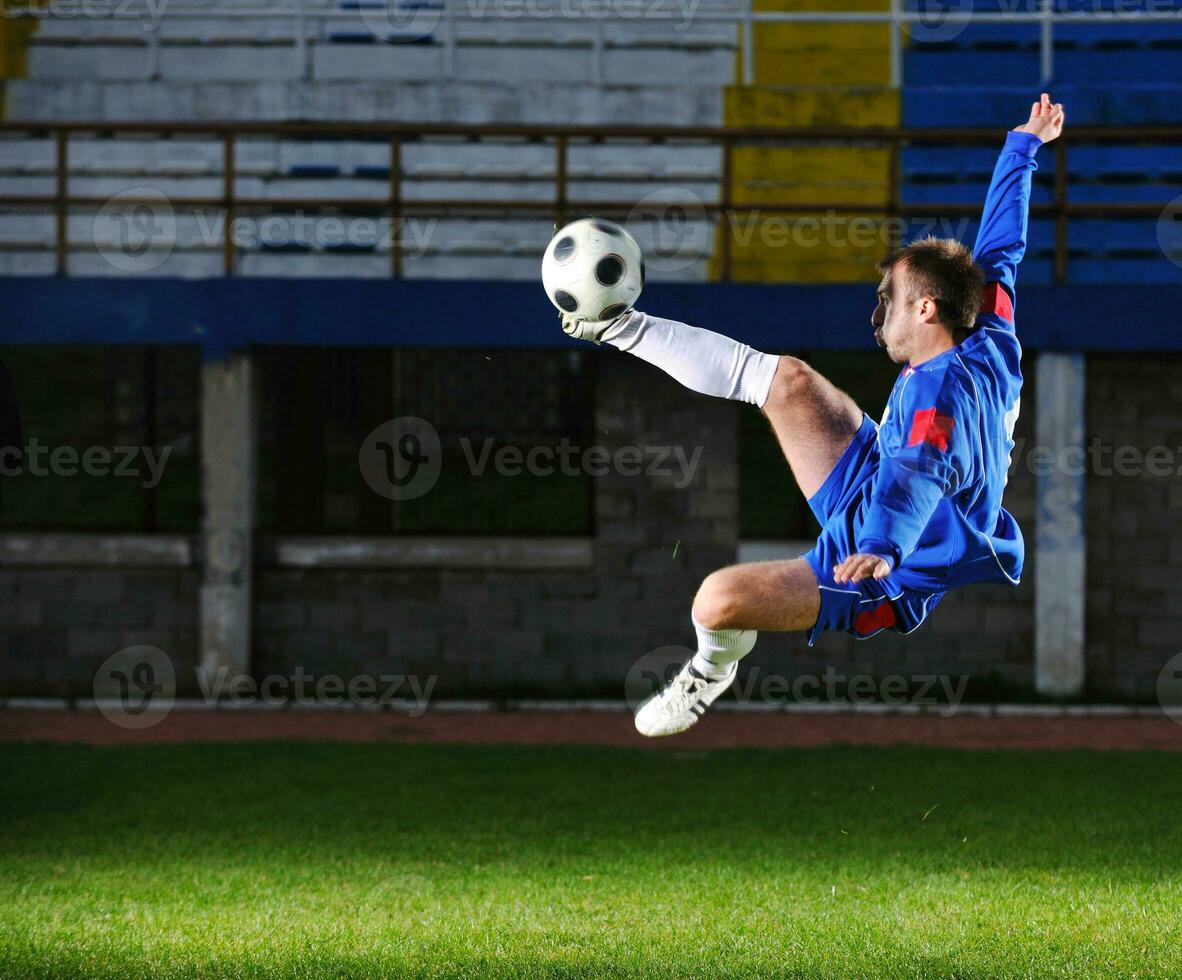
946 436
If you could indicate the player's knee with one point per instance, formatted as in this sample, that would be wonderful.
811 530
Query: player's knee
793 378
719 602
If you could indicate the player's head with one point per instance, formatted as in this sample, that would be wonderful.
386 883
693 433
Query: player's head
928 286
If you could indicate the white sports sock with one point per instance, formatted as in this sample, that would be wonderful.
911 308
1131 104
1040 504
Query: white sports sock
702 360
718 649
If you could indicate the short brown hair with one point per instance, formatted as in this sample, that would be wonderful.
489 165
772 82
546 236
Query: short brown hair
942 268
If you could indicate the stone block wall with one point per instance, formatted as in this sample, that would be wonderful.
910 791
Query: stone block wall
577 631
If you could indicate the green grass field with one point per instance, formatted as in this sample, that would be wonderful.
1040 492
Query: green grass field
348 860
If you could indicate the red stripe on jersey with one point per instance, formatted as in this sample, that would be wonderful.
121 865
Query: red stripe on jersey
928 425
880 617
995 301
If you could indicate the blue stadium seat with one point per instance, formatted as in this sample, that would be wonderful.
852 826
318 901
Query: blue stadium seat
1087 160
372 171
1113 193
935 161
963 192
1022 35
1034 272
1142 104
929 65
1103 236
1117 36
1046 251
1117 65
937 7
1136 271
1121 6
314 170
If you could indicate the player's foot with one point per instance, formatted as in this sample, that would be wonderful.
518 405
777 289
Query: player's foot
681 702
592 330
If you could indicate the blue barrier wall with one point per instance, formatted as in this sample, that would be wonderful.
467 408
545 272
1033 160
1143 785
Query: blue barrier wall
222 315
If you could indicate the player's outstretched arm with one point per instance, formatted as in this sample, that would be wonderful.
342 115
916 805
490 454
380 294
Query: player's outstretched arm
1001 242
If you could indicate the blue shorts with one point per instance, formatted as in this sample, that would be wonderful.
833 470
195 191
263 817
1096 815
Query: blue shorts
870 606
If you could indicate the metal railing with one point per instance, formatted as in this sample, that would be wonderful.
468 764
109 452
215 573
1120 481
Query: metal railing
561 205
310 24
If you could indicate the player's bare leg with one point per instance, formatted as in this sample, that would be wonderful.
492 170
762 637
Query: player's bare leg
731 606
763 595
814 421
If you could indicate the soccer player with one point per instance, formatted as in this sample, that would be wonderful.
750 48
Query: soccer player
909 507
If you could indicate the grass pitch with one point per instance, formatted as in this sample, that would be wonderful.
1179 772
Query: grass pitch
397 860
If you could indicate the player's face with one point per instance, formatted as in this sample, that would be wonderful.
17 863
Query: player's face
895 318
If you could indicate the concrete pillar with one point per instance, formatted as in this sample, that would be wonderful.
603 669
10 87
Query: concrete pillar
1060 545
228 452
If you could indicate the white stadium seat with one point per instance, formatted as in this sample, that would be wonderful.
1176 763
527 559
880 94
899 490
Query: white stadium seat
509 70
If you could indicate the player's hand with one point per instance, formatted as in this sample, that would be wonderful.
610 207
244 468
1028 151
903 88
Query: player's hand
1046 119
857 567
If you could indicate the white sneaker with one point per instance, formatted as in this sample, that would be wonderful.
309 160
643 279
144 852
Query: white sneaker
592 330
682 702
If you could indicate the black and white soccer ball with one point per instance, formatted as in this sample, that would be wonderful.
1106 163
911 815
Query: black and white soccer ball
593 269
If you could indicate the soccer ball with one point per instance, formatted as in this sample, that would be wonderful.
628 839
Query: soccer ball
593 269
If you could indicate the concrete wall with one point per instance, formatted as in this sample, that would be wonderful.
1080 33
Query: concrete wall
576 630
538 631
58 625
1134 556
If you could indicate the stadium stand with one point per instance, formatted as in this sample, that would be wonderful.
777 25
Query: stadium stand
416 64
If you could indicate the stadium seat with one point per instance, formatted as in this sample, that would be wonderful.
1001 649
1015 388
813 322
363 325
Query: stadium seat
505 72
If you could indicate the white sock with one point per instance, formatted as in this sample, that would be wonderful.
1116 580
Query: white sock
718 649
702 360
